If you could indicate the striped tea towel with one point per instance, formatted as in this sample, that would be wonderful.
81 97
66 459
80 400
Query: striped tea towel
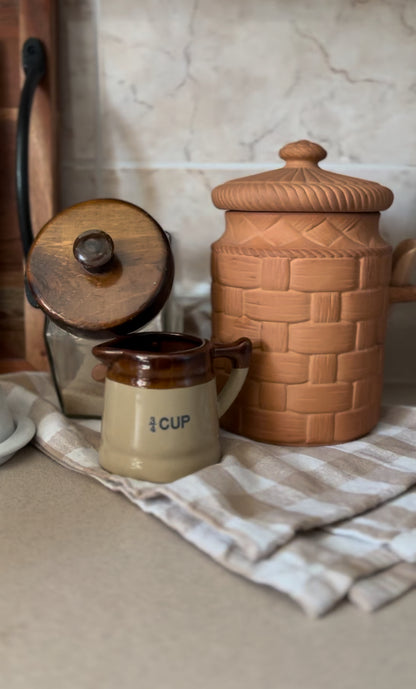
319 524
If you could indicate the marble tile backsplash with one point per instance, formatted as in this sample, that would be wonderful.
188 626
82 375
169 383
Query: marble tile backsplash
161 101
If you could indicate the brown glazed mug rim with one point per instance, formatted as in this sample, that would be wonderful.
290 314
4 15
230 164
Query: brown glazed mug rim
140 350
128 363
132 360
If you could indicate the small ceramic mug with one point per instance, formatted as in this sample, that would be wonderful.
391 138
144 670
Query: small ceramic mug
161 408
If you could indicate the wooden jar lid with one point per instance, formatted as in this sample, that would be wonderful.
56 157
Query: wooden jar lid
302 186
101 268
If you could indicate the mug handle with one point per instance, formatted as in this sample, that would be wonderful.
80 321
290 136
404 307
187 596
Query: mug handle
404 260
239 352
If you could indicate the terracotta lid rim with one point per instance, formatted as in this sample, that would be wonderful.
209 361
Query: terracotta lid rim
302 186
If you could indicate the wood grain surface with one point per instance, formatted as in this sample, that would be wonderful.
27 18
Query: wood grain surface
118 300
21 325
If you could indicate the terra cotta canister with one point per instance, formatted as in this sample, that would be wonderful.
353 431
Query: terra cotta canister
302 270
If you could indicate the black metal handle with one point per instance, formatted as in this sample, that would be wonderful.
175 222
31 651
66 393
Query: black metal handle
34 66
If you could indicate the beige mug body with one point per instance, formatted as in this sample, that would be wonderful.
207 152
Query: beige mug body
161 408
159 435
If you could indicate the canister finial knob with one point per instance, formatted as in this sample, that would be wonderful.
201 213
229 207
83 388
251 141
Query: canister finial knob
94 250
302 153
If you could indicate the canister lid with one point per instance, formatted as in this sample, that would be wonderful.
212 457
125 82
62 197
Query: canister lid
101 268
302 186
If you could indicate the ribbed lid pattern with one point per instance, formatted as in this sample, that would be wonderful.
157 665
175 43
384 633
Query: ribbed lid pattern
302 186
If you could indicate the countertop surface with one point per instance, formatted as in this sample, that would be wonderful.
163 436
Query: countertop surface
96 593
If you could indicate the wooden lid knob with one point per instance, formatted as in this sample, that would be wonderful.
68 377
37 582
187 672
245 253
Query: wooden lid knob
94 250
98 283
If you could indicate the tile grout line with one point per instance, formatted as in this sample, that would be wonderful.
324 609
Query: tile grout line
186 165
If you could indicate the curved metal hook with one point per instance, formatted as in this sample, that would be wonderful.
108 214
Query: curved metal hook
34 66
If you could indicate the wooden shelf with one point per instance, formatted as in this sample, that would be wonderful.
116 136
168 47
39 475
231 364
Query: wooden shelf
13 365
21 325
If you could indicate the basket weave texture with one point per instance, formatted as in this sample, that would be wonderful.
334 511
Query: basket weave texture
311 291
